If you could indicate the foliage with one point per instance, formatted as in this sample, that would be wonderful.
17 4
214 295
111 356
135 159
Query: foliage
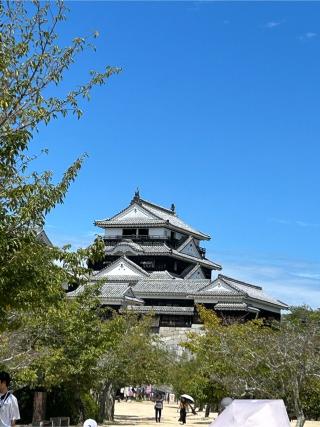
45 340
32 64
264 361
187 376
135 356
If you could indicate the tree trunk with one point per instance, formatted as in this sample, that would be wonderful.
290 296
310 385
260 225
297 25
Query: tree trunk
106 403
110 403
102 396
298 406
300 419
81 408
39 406
207 413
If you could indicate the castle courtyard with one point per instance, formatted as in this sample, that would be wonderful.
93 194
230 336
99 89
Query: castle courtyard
141 414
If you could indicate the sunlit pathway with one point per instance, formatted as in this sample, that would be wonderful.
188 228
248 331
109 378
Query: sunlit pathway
142 414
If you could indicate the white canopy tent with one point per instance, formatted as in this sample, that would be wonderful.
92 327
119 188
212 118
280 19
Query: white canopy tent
253 413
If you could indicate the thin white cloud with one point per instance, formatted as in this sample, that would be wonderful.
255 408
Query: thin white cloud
308 36
273 24
291 281
280 221
308 275
294 222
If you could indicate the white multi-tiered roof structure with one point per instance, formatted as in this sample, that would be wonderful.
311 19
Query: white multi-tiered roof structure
154 263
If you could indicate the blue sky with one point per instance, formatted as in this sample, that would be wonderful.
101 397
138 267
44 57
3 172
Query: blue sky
216 109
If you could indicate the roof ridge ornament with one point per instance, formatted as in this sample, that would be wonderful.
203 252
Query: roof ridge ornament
136 198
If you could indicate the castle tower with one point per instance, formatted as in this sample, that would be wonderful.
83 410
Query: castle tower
157 240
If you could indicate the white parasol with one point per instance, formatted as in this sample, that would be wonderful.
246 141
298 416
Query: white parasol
253 413
187 397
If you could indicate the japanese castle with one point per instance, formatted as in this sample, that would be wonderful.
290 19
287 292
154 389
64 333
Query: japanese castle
154 263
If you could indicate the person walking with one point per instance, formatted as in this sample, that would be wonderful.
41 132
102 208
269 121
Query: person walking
183 410
9 408
158 406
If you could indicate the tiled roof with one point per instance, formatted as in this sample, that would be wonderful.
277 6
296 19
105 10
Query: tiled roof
76 292
129 222
154 249
123 244
135 268
42 235
192 271
170 216
203 261
211 290
169 287
115 290
162 309
231 306
111 290
161 216
161 275
254 292
161 249
112 293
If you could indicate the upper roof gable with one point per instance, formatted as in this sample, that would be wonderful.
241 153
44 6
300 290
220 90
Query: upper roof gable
122 267
143 212
189 247
195 273
132 212
252 291
219 286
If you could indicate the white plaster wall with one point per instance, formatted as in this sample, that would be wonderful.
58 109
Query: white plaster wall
191 249
112 232
121 270
158 232
135 212
197 275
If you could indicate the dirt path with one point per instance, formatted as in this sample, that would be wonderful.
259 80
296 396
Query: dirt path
141 414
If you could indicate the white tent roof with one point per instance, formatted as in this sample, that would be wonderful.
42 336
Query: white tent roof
253 413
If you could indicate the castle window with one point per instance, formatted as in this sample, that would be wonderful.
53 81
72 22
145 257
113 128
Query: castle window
143 232
129 232
147 264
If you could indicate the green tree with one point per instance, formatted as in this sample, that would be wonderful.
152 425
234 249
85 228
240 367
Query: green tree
58 345
135 356
188 376
32 64
274 361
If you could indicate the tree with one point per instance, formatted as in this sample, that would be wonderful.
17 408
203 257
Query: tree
135 356
59 346
31 64
188 376
264 361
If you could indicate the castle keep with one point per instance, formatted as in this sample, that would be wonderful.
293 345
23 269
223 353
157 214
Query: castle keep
155 262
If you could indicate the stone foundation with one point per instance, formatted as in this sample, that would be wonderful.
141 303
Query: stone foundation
173 336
